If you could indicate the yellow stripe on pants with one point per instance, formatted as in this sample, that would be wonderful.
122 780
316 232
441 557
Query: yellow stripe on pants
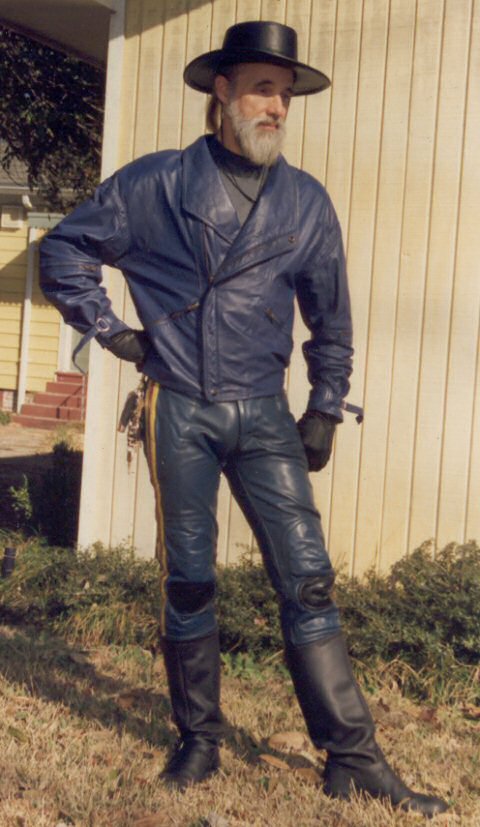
153 390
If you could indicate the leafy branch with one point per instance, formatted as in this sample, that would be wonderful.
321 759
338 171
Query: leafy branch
51 115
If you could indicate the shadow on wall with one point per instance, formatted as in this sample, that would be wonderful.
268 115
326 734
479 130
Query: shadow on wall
144 17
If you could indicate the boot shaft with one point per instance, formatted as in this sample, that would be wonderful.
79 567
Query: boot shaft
193 672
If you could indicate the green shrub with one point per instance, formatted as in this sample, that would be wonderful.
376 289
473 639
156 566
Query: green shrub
247 610
50 506
21 502
5 418
419 625
97 596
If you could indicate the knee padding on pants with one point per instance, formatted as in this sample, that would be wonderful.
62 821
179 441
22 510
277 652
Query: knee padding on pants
188 598
315 592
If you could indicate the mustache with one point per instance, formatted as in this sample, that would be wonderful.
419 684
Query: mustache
274 120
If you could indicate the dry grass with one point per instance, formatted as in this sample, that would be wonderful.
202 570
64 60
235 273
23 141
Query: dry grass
83 737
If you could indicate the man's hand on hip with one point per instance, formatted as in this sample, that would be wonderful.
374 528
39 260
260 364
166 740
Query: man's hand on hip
316 432
130 345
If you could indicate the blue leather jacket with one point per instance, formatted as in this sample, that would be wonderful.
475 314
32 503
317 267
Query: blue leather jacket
216 299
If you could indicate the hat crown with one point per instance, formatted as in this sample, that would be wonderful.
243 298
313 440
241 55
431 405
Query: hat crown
268 37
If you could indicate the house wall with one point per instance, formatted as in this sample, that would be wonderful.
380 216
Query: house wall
13 266
44 328
395 141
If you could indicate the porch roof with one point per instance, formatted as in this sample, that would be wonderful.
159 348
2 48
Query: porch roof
80 27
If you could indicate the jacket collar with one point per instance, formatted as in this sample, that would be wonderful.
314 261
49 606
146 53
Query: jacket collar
204 196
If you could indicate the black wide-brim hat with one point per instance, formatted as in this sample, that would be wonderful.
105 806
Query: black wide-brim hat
256 41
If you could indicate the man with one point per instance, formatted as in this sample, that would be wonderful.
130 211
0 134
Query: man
215 242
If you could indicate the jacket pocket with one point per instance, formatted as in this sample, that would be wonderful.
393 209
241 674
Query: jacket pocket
275 321
178 314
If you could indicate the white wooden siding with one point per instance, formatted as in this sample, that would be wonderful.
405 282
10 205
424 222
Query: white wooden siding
395 140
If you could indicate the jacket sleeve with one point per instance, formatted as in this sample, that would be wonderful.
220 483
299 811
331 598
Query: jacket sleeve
323 297
71 258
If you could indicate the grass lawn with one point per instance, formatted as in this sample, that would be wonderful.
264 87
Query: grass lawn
84 735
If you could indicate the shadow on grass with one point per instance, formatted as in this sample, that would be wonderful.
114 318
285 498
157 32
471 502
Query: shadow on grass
48 667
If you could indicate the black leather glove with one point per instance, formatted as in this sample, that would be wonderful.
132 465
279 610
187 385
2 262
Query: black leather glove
316 432
130 345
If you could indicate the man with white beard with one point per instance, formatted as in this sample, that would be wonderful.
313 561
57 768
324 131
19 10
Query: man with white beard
215 242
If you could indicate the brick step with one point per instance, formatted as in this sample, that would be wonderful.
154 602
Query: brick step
51 411
70 378
37 422
57 399
62 402
64 388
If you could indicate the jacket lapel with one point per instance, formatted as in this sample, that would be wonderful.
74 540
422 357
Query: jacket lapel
203 194
272 226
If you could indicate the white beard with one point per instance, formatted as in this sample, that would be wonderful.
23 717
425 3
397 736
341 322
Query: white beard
260 147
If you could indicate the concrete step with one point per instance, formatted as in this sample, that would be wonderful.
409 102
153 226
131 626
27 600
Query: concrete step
58 399
64 388
51 411
37 422
70 378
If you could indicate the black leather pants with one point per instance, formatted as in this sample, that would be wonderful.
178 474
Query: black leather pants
255 442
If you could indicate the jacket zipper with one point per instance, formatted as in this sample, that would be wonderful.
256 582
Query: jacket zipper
183 312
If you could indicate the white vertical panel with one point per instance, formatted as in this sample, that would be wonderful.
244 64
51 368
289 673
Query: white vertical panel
273 10
377 346
317 114
298 17
371 80
126 480
343 106
472 530
413 263
314 146
97 490
459 501
126 123
247 10
468 258
440 273
223 16
344 90
198 42
172 86
150 63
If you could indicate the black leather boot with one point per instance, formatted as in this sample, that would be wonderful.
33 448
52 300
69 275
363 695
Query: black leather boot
193 671
339 721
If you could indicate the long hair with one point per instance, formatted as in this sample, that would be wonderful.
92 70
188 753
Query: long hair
214 105
214 114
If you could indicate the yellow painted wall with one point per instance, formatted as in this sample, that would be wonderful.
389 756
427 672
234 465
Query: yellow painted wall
45 320
13 267
396 141
44 336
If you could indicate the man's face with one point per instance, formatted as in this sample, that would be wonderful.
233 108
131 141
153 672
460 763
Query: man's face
256 103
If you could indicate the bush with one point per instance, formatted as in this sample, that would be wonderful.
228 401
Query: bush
418 626
248 610
50 506
95 596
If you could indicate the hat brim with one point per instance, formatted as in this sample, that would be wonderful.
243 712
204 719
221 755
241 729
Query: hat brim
200 72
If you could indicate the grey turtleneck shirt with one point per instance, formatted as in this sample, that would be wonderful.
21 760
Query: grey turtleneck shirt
242 179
